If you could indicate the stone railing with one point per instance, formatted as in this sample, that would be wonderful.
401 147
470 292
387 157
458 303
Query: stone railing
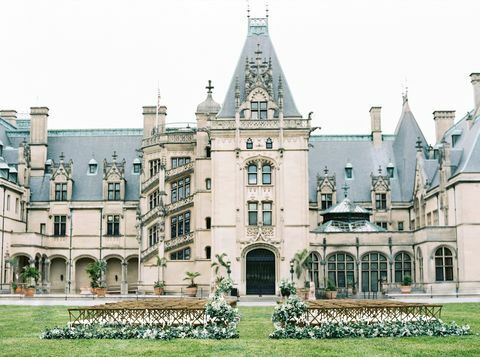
180 204
179 241
149 182
151 214
179 170
169 138
149 251
261 124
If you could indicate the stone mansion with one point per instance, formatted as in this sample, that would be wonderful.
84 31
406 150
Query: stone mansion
250 179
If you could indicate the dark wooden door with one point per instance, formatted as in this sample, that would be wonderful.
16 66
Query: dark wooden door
260 272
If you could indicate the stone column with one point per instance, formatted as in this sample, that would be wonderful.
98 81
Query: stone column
71 278
124 284
46 277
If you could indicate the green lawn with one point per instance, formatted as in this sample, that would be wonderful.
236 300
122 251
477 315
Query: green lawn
20 327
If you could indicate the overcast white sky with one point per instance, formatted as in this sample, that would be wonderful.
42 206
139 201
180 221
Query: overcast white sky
96 63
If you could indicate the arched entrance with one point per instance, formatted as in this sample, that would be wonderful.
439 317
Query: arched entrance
260 272
58 274
81 277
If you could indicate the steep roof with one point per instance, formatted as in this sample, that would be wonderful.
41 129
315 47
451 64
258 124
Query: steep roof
258 38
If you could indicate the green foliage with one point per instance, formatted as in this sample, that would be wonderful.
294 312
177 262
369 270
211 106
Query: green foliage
287 288
290 312
364 329
30 273
224 286
96 270
301 261
222 262
161 262
190 275
331 285
407 280
159 284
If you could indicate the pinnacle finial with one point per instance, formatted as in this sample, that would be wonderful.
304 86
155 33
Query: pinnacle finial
345 189
248 9
114 156
325 170
209 87
62 156
380 170
266 9
419 145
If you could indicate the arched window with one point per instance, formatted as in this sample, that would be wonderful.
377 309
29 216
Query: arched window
266 174
314 269
269 144
208 223
252 174
420 265
208 151
403 266
208 252
443 264
374 270
341 270
249 144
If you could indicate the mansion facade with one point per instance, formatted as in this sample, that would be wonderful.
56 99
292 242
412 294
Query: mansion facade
250 179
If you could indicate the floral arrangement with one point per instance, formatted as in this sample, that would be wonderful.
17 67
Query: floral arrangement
291 312
287 288
224 286
221 322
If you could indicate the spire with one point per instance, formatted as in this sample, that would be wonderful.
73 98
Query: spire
406 107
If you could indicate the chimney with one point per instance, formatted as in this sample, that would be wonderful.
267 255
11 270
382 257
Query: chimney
38 138
443 121
150 124
475 79
376 124
10 116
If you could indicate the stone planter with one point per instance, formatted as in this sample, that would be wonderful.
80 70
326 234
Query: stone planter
29 292
406 289
331 294
304 293
19 290
191 291
158 291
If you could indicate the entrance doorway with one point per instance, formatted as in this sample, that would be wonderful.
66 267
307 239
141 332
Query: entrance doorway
260 272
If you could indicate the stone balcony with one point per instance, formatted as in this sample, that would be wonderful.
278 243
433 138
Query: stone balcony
150 182
179 241
147 253
152 214
186 136
180 204
178 171
261 124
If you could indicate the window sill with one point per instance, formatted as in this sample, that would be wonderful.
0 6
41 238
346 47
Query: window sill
112 235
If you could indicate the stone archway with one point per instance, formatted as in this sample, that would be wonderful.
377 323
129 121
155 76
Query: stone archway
132 274
81 277
260 272
58 275
113 275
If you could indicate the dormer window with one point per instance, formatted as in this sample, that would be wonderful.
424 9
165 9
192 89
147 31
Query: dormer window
92 167
48 166
137 166
455 139
390 170
13 174
348 171
249 144
259 110
269 144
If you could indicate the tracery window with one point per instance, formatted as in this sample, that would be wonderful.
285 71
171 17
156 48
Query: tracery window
314 269
341 270
374 271
259 110
252 174
403 266
443 264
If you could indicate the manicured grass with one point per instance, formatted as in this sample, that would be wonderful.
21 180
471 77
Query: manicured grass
21 326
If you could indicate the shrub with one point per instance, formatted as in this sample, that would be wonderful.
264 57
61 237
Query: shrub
287 288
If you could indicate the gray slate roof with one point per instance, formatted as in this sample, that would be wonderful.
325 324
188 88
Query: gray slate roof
253 39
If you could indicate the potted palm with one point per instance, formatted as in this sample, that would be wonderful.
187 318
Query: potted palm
158 287
96 272
406 287
191 289
301 261
30 274
287 288
220 280
331 290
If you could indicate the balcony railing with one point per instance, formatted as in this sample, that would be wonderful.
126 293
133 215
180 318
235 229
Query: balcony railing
262 124
147 184
179 170
149 251
187 201
178 242
170 138
153 213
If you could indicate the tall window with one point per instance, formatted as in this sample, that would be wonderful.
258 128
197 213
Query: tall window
259 110
180 189
267 213
208 252
341 270
403 266
314 269
114 191
400 226
249 144
327 200
208 222
59 226
43 228
208 184
60 192
154 199
183 254
180 225
252 213
153 235
154 167
179 161
269 144
113 225
252 174
374 270
381 201
266 174
443 264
